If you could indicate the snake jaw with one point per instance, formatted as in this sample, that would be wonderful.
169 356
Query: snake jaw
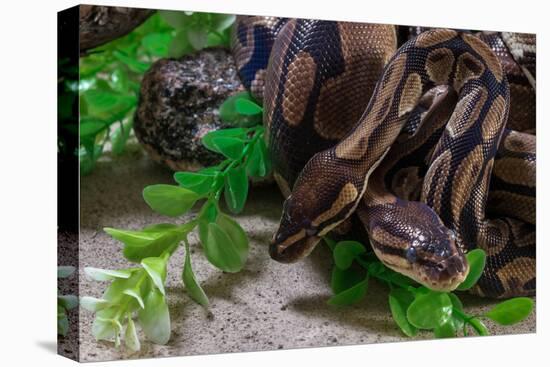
447 274
292 248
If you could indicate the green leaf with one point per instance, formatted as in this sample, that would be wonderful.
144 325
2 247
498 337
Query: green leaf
130 336
209 212
118 80
351 295
91 127
376 268
476 259
236 189
511 311
208 139
67 301
134 65
91 64
94 304
345 252
156 268
200 183
221 251
258 163
247 107
136 295
217 39
231 148
115 292
106 274
121 135
157 44
197 37
107 105
176 19
103 327
62 321
479 326
445 330
430 310
221 22
229 114
398 278
152 241
235 232
155 318
65 271
180 45
169 200
192 287
344 279
400 299
457 305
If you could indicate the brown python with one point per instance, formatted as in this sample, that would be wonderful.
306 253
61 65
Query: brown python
316 83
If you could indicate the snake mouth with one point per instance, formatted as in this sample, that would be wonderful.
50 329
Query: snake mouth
291 250
446 275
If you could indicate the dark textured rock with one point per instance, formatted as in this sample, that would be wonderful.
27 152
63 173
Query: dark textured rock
178 104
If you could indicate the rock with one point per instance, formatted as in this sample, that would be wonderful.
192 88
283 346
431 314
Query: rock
178 105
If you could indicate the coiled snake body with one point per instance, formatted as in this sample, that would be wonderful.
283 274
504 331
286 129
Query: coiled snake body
406 139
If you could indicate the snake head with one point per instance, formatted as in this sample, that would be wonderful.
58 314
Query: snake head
411 239
296 236
318 203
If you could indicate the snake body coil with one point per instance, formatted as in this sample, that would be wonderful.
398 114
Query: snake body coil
344 110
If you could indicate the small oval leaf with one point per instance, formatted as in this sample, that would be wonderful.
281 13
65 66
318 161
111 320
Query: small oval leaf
344 279
446 330
511 311
154 318
351 295
247 107
230 147
476 260
169 200
221 251
236 189
429 310
192 287
400 299
345 252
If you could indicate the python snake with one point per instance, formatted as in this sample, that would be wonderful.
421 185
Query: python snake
412 140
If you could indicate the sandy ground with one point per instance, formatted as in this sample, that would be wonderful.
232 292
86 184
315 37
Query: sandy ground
266 306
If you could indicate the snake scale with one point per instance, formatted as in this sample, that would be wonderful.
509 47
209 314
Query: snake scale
430 144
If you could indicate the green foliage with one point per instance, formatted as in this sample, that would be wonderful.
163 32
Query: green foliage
64 302
476 259
169 200
430 310
231 110
400 300
195 31
136 297
511 311
110 75
415 307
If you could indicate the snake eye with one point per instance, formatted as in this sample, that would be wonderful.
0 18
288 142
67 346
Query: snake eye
411 254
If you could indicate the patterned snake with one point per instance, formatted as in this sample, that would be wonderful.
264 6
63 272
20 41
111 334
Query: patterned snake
414 141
